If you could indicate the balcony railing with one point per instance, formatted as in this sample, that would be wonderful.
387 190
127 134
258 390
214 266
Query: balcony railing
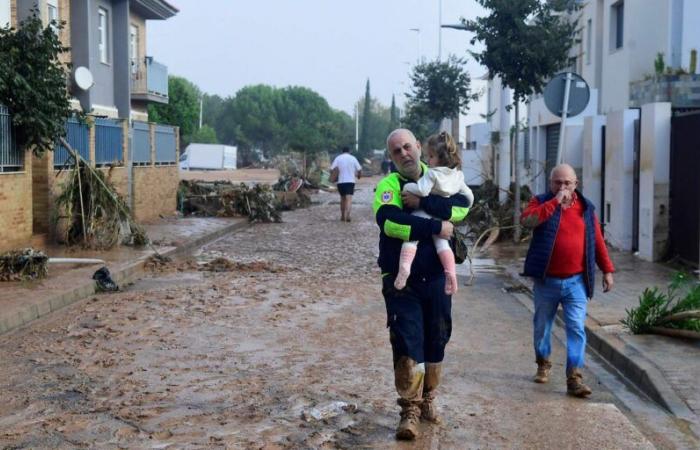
149 81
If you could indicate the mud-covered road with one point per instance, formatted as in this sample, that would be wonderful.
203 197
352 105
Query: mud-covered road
245 358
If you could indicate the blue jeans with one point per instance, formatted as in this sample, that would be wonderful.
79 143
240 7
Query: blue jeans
571 293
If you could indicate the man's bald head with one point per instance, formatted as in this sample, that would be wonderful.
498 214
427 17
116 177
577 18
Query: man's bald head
562 169
404 151
562 177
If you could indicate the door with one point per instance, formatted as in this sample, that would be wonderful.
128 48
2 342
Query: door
685 186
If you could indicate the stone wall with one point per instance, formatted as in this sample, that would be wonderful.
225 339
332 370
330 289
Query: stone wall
155 192
682 91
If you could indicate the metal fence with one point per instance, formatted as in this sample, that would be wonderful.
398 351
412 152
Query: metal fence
141 143
77 135
165 145
11 158
109 141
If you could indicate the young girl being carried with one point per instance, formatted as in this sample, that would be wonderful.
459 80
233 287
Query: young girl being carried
444 178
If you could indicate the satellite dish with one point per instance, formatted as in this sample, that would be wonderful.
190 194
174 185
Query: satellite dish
83 78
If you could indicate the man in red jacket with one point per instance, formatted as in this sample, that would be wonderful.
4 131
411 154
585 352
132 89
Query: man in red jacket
566 245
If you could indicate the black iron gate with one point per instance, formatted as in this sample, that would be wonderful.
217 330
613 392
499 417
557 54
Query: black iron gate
685 185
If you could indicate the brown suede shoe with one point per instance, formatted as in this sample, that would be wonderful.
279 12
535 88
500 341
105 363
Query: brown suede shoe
410 419
543 368
575 386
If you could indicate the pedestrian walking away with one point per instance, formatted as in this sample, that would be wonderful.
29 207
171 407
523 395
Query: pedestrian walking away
566 245
444 177
349 169
419 316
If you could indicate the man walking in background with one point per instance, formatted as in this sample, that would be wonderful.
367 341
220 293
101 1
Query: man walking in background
566 245
348 169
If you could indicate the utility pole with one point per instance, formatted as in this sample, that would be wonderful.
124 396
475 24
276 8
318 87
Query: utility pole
440 32
417 30
201 108
357 127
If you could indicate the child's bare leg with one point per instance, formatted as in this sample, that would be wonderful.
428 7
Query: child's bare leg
408 253
447 258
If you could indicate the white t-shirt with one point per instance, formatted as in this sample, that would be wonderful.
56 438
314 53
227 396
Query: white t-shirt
347 167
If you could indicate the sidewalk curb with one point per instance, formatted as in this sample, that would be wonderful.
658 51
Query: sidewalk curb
631 363
129 272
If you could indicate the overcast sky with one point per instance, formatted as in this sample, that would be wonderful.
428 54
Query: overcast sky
329 46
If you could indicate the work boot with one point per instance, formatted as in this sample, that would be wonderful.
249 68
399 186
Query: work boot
410 419
575 386
428 409
543 368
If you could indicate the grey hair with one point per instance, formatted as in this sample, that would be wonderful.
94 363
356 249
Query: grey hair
396 132
562 166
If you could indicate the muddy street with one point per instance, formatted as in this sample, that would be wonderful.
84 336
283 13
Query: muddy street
257 351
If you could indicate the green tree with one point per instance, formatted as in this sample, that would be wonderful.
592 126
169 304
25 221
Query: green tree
365 121
204 135
212 108
526 42
33 84
394 121
182 109
441 89
249 120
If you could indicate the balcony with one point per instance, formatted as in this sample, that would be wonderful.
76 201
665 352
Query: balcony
149 81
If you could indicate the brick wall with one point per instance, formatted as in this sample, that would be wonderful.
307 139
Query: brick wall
16 207
155 192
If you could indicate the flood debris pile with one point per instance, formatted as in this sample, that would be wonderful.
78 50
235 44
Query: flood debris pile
22 265
222 264
675 312
90 213
225 199
489 217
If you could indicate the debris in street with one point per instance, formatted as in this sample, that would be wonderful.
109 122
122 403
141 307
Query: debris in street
489 216
96 216
75 261
675 312
226 265
157 262
225 199
328 410
104 280
21 265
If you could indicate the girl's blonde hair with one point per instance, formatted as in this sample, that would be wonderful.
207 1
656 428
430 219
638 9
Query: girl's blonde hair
445 149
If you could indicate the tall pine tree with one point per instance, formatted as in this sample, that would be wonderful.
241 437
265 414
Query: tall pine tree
365 123
394 118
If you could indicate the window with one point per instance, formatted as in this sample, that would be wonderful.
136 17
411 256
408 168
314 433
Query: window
103 33
589 41
617 21
4 13
52 14
134 48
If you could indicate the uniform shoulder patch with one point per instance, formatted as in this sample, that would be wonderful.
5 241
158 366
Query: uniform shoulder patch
387 196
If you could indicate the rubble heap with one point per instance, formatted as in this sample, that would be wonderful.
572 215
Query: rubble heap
25 264
225 199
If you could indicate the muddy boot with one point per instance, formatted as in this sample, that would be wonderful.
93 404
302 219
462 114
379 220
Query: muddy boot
428 409
543 368
410 419
575 386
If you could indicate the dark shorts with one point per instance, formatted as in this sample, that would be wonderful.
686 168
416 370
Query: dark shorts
346 188
419 318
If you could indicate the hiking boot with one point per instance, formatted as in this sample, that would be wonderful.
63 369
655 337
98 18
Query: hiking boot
575 386
428 409
543 368
410 419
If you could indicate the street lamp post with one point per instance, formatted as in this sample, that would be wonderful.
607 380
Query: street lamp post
417 30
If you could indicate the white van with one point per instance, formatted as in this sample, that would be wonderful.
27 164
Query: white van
208 157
